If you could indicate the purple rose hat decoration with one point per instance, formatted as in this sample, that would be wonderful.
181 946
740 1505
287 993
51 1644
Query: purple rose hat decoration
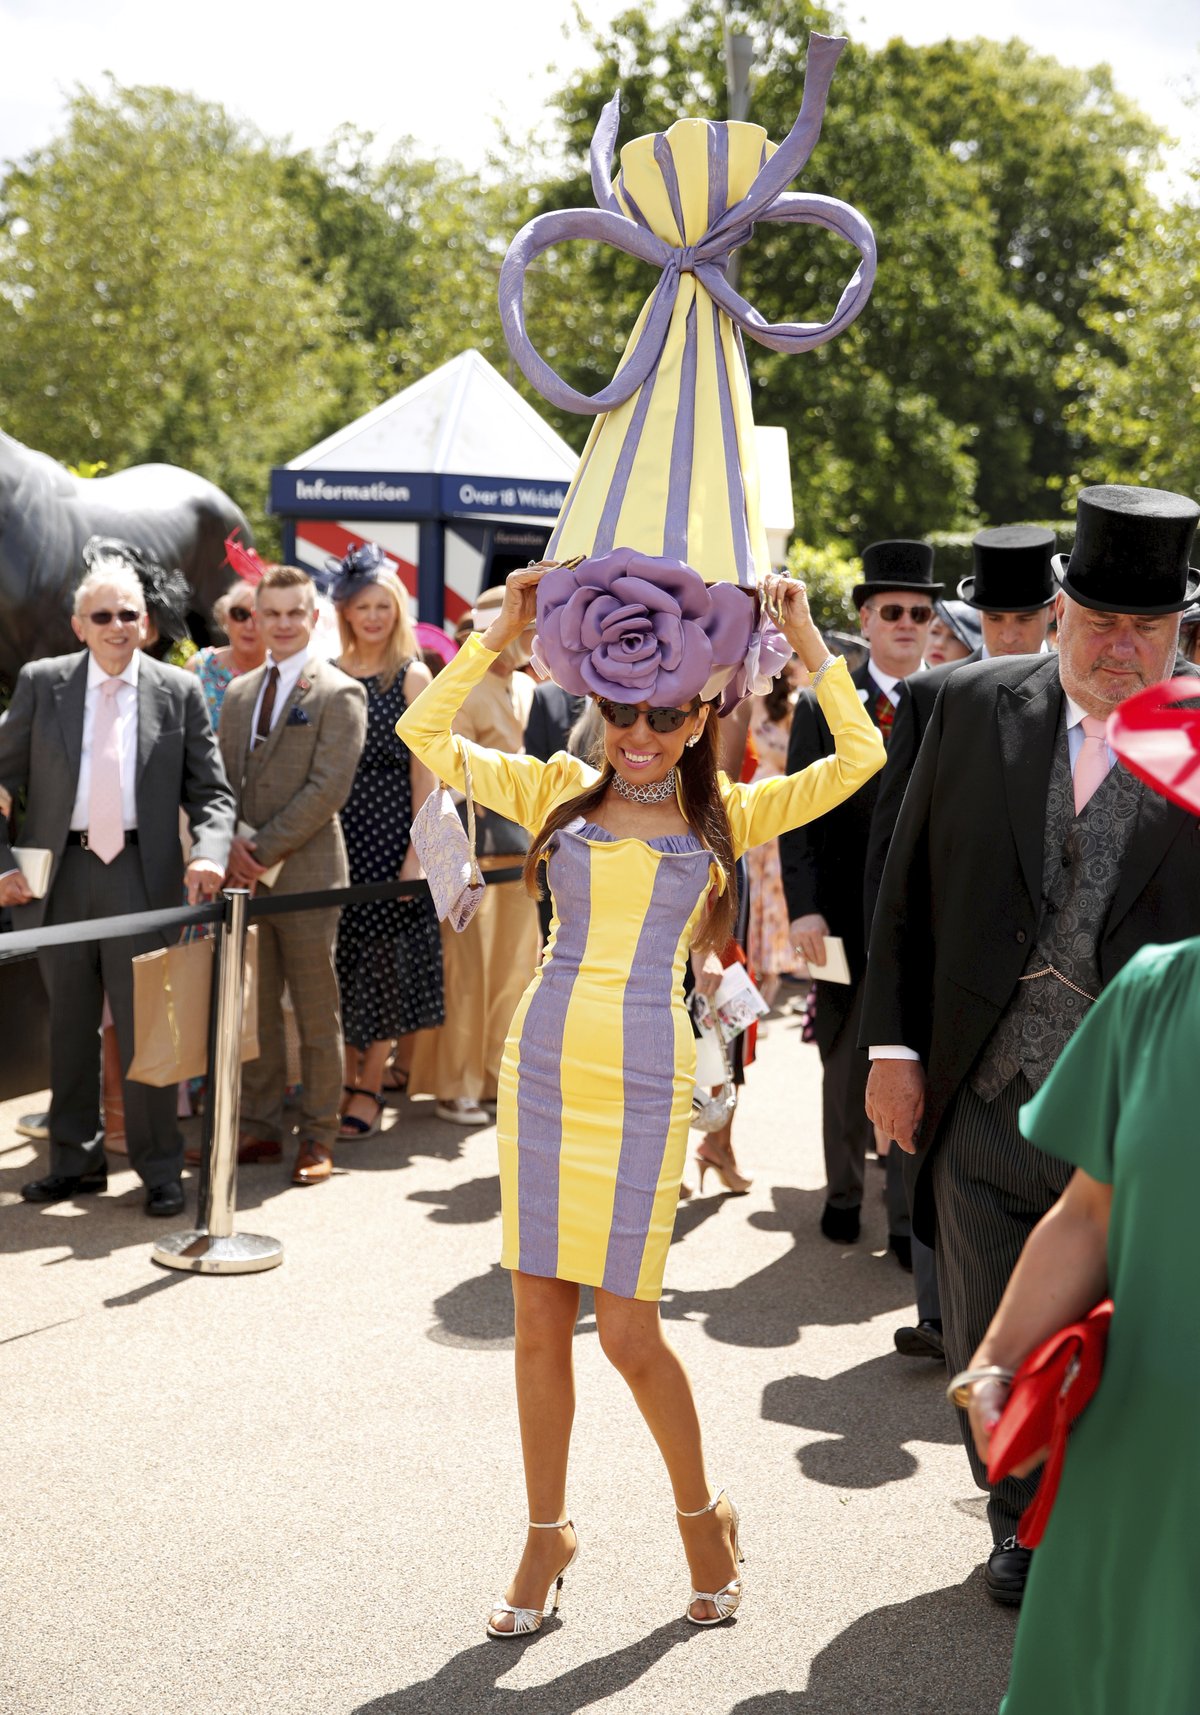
640 629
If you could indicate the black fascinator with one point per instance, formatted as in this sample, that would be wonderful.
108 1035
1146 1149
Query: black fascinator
356 569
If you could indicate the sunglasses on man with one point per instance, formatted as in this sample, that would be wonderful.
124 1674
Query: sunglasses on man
105 616
890 611
658 720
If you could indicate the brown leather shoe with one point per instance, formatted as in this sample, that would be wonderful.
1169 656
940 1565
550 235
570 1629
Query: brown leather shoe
252 1149
313 1163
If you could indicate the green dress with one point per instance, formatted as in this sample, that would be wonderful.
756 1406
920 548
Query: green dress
1110 1624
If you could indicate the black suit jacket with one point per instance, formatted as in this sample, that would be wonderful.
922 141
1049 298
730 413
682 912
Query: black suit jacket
918 694
824 862
961 894
552 714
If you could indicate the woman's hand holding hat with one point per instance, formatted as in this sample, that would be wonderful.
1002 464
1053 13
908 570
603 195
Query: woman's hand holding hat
785 601
519 608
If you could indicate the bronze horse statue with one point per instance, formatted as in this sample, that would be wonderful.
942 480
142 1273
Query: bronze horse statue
46 515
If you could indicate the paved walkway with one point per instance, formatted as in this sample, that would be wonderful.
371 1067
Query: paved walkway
297 1492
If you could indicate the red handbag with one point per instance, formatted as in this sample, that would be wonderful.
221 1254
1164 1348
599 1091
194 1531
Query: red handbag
1049 1391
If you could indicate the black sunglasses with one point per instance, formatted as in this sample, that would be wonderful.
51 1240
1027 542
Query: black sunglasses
658 720
891 611
241 614
105 616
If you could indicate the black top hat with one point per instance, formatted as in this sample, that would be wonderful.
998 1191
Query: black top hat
1012 570
898 565
1131 551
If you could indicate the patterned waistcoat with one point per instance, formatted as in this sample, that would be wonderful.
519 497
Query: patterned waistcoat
1081 865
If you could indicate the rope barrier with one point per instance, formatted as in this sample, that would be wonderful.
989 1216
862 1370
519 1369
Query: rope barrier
24 943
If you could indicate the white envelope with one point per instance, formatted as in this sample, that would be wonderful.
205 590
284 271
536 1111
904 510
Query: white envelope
35 863
270 876
835 968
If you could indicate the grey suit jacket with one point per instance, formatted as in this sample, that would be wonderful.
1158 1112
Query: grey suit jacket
291 788
41 743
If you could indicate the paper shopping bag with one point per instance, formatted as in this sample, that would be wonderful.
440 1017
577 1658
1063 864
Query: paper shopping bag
172 994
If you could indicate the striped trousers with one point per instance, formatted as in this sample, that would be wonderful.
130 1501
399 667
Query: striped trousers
991 1188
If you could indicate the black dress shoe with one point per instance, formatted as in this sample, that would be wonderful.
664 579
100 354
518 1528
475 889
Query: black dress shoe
166 1199
841 1225
923 1341
1006 1572
61 1187
900 1246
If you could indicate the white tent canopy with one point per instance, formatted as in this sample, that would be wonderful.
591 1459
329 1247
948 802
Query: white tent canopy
462 419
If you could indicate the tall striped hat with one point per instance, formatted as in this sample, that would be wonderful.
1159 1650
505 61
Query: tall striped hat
670 468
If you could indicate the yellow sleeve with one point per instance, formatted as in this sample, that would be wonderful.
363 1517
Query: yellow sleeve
521 787
758 813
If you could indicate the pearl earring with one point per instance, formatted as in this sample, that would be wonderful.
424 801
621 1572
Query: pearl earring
693 741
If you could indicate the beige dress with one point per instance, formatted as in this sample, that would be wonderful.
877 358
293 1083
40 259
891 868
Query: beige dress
487 968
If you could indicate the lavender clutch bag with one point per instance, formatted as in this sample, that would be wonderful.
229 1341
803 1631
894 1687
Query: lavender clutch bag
447 853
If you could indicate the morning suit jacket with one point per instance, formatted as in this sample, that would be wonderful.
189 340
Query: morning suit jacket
823 862
552 714
918 694
961 895
41 745
291 787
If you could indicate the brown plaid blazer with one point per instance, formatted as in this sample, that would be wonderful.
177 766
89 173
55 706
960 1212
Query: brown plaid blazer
291 788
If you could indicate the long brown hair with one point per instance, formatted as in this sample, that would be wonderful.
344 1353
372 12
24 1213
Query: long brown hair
402 640
706 816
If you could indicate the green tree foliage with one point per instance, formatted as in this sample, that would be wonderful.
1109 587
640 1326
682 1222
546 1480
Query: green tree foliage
1135 371
998 183
152 302
829 576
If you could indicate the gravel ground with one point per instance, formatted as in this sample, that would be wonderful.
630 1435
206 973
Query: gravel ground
298 1491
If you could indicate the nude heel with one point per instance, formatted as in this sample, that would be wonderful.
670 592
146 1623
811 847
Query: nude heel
529 1620
728 1599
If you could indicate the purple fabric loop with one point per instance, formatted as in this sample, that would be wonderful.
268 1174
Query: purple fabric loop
707 260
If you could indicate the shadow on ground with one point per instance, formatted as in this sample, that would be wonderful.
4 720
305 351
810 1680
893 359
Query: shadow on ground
869 1412
814 1284
468 1682
944 1653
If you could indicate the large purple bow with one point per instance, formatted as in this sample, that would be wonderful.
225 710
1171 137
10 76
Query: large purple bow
707 259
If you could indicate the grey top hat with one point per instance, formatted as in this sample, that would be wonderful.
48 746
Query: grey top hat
897 565
1012 572
1131 552
962 619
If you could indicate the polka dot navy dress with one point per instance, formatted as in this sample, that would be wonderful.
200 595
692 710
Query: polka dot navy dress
389 954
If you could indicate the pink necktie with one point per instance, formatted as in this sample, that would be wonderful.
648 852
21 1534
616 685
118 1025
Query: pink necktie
106 823
1091 765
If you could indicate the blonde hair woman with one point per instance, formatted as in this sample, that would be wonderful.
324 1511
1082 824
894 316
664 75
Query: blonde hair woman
389 958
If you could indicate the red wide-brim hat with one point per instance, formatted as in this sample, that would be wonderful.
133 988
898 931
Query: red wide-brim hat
1159 741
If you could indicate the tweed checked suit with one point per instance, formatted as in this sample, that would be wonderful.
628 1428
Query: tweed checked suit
290 789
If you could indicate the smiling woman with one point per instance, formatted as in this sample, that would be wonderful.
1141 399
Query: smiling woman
596 1083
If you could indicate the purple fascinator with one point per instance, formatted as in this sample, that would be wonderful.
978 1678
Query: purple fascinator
357 568
640 629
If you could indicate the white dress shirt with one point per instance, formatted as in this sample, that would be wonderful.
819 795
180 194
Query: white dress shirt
887 682
1075 735
290 670
127 737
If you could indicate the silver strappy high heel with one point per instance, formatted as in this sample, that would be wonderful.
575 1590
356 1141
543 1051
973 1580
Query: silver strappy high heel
527 1620
728 1599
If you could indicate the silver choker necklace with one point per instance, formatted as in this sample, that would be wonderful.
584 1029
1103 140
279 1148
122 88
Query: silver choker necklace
656 794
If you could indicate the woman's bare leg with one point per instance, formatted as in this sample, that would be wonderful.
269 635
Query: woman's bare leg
368 1080
631 1335
546 1312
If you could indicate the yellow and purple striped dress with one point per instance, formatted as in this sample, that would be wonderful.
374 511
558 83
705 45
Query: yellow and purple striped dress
596 1083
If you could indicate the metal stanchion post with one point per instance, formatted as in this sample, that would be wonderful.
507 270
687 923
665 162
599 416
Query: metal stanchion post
216 1248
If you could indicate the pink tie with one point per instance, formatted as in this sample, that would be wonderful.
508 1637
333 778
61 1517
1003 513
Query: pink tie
1091 765
106 823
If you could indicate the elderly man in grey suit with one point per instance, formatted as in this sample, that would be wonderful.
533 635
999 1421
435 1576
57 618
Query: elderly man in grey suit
109 745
